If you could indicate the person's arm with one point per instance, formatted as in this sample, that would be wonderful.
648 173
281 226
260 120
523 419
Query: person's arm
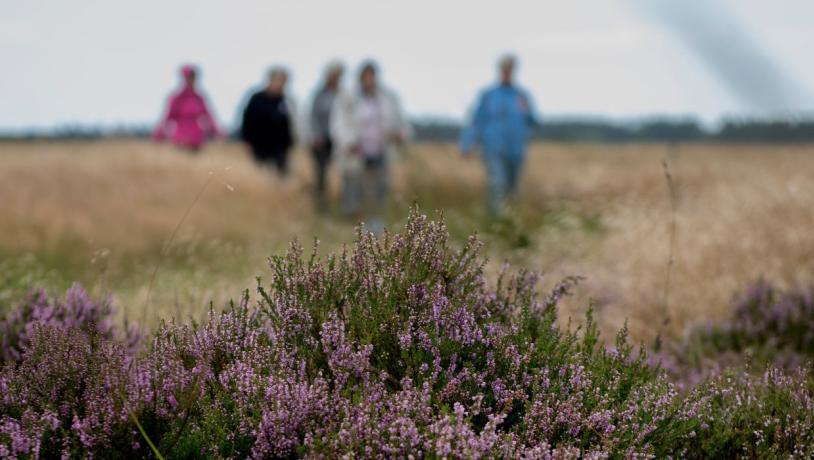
403 129
209 124
532 117
294 127
160 132
247 123
312 129
471 134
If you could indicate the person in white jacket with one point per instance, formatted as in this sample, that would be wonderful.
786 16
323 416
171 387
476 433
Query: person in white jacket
367 127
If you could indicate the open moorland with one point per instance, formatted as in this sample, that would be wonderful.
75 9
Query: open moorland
165 232
423 342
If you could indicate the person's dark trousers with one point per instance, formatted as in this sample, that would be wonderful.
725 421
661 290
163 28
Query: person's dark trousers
322 157
192 149
272 157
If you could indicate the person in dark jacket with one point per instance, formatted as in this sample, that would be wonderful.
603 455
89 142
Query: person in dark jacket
268 123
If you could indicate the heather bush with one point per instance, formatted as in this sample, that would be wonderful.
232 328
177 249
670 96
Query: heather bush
397 347
742 415
76 310
769 327
67 395
407 314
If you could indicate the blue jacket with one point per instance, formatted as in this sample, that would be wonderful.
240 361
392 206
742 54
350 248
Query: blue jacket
501 123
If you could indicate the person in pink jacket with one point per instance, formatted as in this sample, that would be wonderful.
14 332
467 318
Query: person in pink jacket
187 122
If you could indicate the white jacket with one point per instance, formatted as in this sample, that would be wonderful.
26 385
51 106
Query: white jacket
346 131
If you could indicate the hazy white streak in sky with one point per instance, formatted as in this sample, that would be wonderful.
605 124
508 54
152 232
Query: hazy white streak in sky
715 35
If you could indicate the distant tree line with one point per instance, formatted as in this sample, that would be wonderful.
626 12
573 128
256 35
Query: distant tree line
653 130
561 130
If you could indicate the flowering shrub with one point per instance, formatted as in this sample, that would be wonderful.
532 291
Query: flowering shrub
397 348
76 310
767 318
67 394
768 326
741 415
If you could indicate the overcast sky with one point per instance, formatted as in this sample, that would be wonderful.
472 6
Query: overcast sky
114 62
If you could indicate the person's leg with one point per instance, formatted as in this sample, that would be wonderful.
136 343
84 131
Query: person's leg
321 157
379 188
259 155
281 161
367 186
351 193
190 148
263 158
514 166
496 181
383 185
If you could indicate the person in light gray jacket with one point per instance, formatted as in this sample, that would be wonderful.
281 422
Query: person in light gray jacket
367 126
318 129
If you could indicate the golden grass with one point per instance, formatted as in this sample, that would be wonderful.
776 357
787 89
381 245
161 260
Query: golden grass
101 211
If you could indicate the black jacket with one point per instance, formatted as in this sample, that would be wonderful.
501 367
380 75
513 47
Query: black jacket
267 123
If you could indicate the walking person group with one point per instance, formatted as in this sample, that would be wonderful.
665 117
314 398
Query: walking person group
360 130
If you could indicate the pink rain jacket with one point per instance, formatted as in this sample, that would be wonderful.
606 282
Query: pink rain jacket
188 121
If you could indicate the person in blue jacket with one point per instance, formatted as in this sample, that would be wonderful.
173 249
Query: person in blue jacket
500 125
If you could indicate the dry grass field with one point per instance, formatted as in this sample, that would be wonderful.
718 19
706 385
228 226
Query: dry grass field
102 213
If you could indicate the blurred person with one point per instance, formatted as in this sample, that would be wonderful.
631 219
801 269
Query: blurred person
268 122
367 126
318 128
501 123
187 121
